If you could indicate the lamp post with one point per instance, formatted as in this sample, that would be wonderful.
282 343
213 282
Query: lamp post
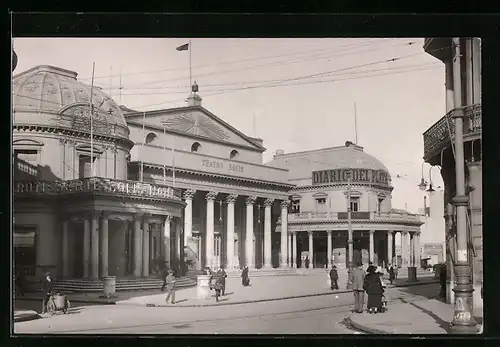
463 321
423 183
349 235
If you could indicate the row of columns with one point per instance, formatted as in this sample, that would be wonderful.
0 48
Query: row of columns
248 245
410 243
96 246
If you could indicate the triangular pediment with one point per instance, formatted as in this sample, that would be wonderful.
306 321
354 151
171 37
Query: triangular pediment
197 122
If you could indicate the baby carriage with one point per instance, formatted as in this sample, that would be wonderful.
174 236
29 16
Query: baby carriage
58 302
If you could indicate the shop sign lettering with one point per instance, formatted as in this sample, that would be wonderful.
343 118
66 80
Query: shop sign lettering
218 164
355 175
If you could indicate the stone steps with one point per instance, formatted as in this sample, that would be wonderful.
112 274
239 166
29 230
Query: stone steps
265 272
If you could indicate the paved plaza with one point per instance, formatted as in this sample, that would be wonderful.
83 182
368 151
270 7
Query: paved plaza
254 310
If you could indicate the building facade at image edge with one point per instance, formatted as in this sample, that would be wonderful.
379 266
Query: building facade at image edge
439 150
177 185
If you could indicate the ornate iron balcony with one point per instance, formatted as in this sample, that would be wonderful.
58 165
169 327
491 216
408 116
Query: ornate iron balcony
341 217
96 185
441 133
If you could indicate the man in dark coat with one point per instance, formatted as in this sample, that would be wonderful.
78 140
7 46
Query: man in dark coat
442 280
357 278
392 274
334 277
245 281
47 287
221 275
170 287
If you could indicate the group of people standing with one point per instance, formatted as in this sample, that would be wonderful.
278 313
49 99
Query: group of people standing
217 281
370 282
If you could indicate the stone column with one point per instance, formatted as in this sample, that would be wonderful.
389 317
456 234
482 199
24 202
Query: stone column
65 248
104 245
371 250
178 237
294 249
389 247
311 250
268 203
329 248
404 249
209 239
94 229
231 199
166 239
86 247
145 247
417 249
137 246
249 255
284 231
188 215
290 250
412 250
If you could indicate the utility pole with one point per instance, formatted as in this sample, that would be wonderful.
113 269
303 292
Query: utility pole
349 237
463 320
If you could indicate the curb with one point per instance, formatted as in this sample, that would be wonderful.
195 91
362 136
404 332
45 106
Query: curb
26 317
418 283
239 302
366 329
80 301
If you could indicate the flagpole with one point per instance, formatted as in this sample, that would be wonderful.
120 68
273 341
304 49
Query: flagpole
92 123
190 73
142 145
164 152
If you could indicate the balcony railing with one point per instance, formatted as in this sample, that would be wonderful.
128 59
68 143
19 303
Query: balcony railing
355 216
437 137
95 185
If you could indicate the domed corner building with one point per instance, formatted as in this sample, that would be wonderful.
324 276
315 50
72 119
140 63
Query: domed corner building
318 224
75 213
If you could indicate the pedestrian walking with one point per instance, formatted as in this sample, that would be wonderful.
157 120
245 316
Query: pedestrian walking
392 274
170 287
396 270
373 287
221 275
245 280
334 277
357 279
307 262
47 287
19 281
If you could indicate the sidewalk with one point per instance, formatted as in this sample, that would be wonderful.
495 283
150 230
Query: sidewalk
420 316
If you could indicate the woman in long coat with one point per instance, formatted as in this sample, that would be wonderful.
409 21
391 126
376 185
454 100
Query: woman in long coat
373 287
245 281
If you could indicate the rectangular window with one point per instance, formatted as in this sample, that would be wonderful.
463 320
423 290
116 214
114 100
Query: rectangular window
354 204
321 201
295 206
28 155
25 249
379 205
84 166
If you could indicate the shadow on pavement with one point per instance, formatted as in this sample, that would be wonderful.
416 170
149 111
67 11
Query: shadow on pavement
430 291
441 322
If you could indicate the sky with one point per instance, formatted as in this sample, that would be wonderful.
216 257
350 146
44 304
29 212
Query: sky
295 94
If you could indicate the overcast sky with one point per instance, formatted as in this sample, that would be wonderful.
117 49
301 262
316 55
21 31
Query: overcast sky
296 94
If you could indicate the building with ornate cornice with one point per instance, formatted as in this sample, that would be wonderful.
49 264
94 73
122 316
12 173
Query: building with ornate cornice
439 151
325 180
114 194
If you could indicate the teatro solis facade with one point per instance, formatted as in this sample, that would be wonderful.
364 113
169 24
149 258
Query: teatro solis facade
121 214
317 224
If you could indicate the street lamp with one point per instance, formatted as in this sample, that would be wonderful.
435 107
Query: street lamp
423 182
349 235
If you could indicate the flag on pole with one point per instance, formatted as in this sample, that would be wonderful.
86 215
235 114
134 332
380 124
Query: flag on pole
184 47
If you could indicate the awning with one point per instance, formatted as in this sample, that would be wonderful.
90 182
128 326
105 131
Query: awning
26 239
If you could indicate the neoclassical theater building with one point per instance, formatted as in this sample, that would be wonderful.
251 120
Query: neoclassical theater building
329 181
113 194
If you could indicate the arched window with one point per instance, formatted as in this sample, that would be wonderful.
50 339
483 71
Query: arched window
234 153
150 137
195 147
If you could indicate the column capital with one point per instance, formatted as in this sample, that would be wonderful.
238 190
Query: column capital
189 194
250 200
329 232
310 232
268 202
231 198
371 232
404 232
284 204
390 232
210 196
294 233
167 217
105 214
